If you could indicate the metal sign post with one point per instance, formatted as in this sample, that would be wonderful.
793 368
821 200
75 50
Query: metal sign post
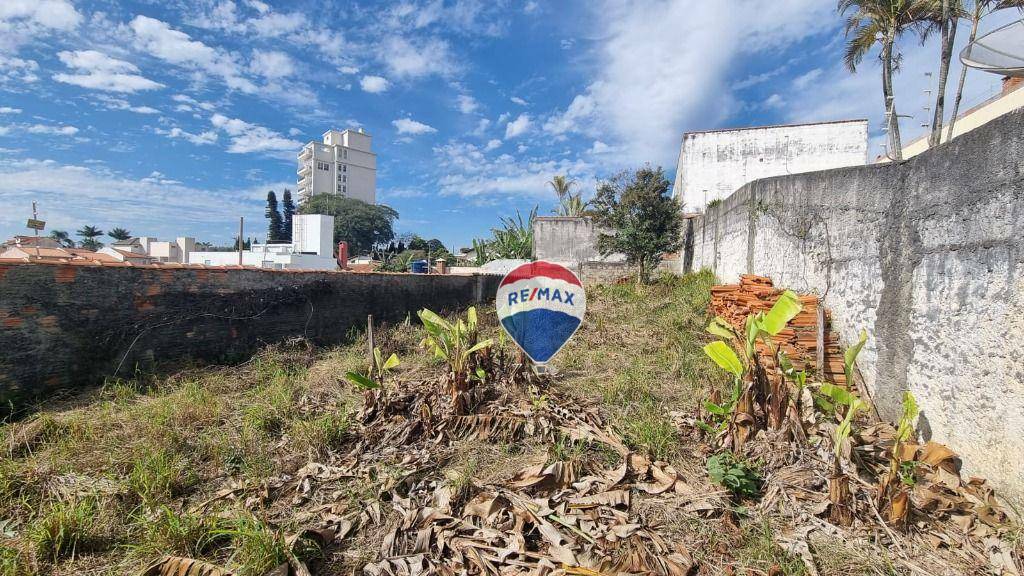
36 225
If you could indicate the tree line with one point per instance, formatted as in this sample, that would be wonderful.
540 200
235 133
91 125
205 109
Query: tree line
89 237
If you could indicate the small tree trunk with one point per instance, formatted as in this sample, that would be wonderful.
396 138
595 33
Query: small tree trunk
840 513
948 38
896 145
975 18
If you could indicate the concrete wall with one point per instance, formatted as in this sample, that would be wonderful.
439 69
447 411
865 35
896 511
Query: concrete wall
714 164
928 256
66 326
572 242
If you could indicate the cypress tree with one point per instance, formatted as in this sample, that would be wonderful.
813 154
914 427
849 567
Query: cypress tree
275 224
287 211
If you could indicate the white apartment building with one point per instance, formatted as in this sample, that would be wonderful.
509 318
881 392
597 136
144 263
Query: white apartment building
715 163
144 249
342 165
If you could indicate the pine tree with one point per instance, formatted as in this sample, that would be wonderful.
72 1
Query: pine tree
272 214
287 211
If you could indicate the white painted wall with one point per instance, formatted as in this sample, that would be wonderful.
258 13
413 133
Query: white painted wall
714 164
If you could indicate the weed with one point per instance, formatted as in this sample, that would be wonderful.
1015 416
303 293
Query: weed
646 428
322 433
66 528
259 548
12 562
179 532
158 475
565 449
758 549
738 476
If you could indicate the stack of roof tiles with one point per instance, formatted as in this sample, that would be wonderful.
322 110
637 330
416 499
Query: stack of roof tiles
799 340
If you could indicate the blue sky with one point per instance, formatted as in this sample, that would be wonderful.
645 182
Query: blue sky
174 118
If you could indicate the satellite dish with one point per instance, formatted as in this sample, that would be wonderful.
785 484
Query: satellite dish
1001 51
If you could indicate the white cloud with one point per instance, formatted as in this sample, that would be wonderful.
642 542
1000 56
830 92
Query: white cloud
373 84
52 130
518 127
248 138
464 170
492 144
202 138
24 20
803 81
175 47
519 101
467 104
348 70
412 127
650 87
406 59
188 103
97 71
73 195
774 102
9 110
272 64
17 71
275 25
111 103
530 7
599 147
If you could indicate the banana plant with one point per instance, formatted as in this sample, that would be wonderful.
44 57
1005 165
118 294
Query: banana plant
376 373
455 344
747 371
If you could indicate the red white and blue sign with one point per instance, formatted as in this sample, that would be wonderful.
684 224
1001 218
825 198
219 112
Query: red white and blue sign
541 305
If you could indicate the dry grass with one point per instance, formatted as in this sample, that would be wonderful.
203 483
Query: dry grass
109 481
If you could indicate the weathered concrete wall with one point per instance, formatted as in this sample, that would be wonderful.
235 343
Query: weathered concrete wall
66 326
928 256
714 164
568 241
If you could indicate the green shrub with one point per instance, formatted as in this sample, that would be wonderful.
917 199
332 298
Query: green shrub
66 528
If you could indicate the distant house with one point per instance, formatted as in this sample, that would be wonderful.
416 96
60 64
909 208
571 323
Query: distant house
41 241
48 254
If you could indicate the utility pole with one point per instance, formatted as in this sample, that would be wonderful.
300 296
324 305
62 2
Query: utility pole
241 241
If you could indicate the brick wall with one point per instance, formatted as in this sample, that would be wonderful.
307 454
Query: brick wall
69 325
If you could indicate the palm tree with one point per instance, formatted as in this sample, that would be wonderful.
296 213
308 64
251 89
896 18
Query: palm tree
89 235
561 185
881 22
119 234
943 16
981 9
63 238
569 204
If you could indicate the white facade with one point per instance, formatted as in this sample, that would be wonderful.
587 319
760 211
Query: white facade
343 164
312 248
714 164
176 250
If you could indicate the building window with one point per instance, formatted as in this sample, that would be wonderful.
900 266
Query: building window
344 178
344 154
344 189
322 165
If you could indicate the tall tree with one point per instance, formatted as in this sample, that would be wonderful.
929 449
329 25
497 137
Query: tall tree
362 225
287 212
62 237
978 12
569 204
944 16
119 234
89 235
274 225
881 22
643 220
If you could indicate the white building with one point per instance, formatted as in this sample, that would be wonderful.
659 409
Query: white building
312 248
714 164
342 165
145 249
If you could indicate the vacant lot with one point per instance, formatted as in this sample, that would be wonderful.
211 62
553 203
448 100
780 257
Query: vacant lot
244 467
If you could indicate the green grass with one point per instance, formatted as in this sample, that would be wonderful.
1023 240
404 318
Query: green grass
321 434
158 475
258 548
66 528
758 549
170 532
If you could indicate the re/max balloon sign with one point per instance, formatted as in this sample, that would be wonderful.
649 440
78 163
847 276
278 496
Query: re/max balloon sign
540 306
